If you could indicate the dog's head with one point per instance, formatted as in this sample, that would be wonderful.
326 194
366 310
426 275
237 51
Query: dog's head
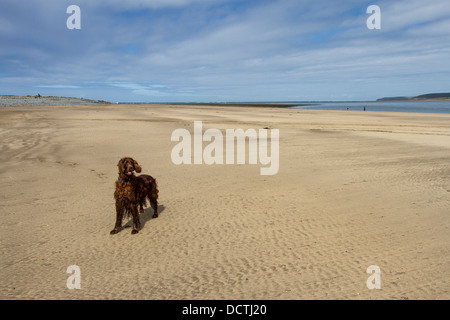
127 166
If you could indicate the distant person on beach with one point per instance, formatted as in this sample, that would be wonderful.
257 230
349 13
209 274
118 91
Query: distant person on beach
348 108
364 108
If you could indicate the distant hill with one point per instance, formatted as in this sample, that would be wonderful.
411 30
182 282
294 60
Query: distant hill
423 97
433 96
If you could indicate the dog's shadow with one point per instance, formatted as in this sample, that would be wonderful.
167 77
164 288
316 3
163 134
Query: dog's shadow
146 216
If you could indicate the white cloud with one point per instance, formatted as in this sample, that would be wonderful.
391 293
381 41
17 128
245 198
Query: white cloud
407 13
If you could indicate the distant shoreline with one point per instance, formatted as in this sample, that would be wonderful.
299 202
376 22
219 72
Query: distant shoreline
25 101
237 104
37 100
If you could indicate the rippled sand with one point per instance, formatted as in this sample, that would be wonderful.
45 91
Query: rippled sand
354 189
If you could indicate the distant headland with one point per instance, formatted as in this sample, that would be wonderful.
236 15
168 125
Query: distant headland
423 97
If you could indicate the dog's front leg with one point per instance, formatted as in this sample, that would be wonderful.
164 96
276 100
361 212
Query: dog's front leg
136 219
119 217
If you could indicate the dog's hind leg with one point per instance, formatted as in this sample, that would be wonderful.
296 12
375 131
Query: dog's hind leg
153 197
154 204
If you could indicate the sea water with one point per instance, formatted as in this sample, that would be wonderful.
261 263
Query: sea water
386 106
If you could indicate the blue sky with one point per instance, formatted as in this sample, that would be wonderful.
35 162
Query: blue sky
224 50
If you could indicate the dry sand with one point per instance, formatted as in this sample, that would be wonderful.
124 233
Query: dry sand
354 189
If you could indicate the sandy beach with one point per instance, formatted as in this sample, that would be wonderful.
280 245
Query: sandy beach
354 189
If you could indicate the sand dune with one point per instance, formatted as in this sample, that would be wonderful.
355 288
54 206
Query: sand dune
354 189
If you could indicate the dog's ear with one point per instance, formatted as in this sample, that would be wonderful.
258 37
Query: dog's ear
120 163
137 167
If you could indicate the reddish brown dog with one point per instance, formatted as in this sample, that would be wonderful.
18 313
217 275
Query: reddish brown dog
132 192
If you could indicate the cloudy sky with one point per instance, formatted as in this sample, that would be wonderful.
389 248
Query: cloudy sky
224 50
